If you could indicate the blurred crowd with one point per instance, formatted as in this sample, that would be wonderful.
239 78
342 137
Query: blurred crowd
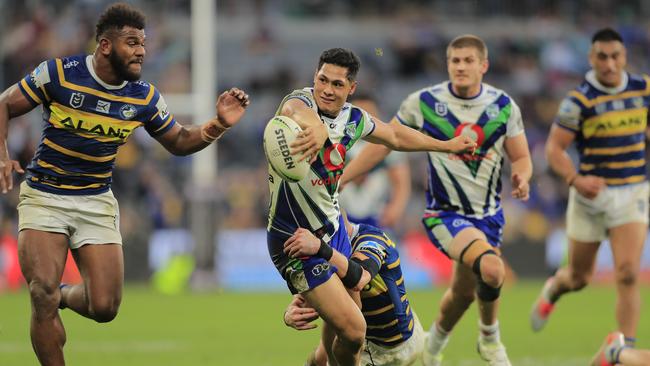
537 51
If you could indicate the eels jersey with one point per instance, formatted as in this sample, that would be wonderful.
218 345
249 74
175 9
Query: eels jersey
469 184
609 126
313 202
385 306
85 121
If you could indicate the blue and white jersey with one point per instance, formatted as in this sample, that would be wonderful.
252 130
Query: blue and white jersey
609 126
313 202
85 122
385 305
469 184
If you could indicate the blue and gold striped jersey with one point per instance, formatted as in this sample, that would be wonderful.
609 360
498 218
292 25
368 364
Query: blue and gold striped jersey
610 125
85 121
384 303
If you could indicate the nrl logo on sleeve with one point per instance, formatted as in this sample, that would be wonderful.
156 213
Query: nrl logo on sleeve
441 109
77 100
128 111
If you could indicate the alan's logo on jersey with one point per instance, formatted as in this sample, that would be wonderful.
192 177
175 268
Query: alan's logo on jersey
77 100
441 109
96 128
128 111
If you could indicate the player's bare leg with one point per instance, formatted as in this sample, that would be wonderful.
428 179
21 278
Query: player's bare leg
100 294
627 246
574 277
42 258
342 314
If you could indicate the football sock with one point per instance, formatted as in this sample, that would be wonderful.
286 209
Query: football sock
630 342
490 333
438 339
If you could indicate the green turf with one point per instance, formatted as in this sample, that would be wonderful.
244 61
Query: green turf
246 329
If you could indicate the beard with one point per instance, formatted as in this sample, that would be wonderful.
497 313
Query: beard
121 68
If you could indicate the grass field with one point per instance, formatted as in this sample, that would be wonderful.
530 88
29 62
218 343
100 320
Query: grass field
246 329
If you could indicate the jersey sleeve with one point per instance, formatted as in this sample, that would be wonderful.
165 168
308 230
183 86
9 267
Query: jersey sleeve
515 125
569 114
36 84
304 95
368 124
159 119
373 249
409 113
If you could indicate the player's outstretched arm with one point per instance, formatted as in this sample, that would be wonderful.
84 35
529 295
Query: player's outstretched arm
12 104
314 132
522 166
181 140
402 138
303 244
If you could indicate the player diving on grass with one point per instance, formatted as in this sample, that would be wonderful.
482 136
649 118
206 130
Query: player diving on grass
330 126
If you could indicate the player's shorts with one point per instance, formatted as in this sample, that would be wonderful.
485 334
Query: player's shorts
589 219
443 226
87 219
405 353
303 274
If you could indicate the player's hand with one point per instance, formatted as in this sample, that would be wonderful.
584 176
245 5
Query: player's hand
309 142
460 144
299 315
7 167
589 185
520 187
301 244
231 106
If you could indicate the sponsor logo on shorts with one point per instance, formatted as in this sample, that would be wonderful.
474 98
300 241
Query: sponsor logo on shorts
320 269
460 222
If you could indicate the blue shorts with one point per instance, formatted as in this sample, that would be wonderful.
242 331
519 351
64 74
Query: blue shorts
303 274
442 227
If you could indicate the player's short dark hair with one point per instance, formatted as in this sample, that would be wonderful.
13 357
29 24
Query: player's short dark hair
341 57
606 35
469 40
117 16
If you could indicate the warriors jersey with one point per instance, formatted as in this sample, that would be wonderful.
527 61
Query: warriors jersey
469 184
313 202
385 306
85 120
609 126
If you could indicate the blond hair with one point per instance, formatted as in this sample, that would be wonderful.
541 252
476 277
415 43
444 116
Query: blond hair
466 41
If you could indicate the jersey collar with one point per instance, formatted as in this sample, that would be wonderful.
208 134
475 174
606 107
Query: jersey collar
91 69
591 78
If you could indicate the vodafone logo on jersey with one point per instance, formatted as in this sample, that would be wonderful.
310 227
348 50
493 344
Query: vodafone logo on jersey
334 157
472 130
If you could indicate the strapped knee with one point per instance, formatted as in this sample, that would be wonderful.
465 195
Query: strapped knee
484 291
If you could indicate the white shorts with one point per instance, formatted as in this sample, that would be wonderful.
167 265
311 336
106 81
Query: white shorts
89 219
589 219
406 353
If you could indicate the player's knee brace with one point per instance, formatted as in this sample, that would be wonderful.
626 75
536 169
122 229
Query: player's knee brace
484 291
